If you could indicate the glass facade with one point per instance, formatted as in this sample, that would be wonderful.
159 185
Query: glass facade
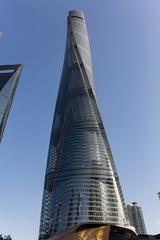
9 77
81 181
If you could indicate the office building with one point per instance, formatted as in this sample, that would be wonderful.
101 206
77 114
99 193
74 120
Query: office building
81 181
136 217
9 77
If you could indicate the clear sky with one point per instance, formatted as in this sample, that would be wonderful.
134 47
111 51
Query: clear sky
125 42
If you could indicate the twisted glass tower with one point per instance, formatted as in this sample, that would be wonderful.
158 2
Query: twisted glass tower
81 181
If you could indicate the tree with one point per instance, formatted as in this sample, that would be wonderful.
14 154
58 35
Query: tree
1 237
8 237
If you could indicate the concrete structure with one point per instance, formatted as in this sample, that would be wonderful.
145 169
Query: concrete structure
81 181
136 217
9 77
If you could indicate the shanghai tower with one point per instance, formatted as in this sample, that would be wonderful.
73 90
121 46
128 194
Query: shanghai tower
81 181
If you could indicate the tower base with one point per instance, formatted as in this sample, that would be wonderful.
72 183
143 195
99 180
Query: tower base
96 232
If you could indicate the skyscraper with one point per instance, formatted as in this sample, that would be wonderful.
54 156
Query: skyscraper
81 181
9 77
136 218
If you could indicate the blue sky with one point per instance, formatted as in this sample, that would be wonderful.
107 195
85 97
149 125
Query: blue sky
124 37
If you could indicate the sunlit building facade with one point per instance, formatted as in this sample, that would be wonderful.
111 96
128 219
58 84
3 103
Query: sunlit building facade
9 77
81 181
136 218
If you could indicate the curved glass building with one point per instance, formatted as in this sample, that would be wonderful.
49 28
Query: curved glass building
81 182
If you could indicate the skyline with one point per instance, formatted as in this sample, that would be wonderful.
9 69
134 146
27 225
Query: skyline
130 113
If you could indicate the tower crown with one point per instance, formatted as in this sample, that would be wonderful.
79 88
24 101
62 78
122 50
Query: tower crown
134 203
75 13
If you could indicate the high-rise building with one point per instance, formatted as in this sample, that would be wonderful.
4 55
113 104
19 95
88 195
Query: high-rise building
81 181
9 77
136 217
